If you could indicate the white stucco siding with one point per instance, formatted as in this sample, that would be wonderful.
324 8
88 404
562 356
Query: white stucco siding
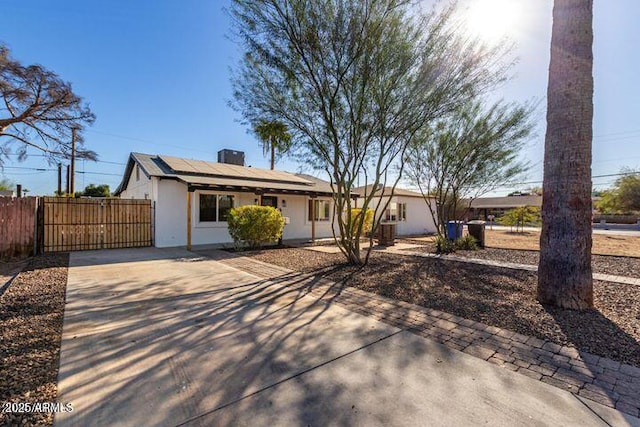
138 187
299 227
171 214
293 207
418 218
208 233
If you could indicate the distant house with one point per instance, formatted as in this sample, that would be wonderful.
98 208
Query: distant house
407 209
192 198
7 193
482 207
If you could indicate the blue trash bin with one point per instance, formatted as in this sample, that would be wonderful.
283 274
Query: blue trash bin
454 230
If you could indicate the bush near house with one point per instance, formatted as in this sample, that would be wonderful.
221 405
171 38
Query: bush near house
367 224
255 225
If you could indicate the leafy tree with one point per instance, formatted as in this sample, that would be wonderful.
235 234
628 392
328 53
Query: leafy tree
628 191
520 216
274 137
92 190
608 203
255 225
39 110
564 271
6 184
624 198
354 82
467 154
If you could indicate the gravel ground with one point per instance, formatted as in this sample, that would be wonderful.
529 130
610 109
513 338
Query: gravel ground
31 313
605 264
495 296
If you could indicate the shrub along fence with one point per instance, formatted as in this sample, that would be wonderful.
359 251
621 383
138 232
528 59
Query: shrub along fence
32 225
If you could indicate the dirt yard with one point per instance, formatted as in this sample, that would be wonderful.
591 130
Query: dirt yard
31 312
628 246
530 240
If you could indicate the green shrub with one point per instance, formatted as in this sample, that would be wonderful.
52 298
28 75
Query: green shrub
444 245
255 225
356 214
467 243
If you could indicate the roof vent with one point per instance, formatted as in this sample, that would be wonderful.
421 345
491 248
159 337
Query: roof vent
231 157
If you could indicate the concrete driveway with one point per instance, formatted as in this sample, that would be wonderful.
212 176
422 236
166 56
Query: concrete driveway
166 338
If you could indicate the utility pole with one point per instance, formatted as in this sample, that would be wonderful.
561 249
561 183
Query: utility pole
68 180
59 179
73 161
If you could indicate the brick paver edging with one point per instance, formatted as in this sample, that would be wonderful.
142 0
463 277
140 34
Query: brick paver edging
528 267
602 380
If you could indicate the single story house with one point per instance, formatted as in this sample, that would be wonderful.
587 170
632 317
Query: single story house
482 207
192 198
408 209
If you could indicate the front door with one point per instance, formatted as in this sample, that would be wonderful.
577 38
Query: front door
270 201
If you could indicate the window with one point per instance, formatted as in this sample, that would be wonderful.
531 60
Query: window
215 207
322 210
396 212
402 211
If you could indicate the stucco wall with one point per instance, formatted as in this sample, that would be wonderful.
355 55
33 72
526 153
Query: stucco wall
295 208
171 214
138 187
419 220
300 226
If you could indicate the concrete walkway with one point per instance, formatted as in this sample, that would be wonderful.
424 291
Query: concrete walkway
167 337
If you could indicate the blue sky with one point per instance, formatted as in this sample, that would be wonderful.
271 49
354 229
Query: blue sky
156 74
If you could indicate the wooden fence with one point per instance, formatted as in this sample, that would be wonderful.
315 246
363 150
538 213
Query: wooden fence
81 224
17 226
31 225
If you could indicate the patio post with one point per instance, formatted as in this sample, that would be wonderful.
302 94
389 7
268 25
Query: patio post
313 219
189 191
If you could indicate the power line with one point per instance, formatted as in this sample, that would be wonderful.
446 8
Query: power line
148 142
53 170
97 161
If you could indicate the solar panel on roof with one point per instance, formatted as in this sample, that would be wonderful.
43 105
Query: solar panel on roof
227 170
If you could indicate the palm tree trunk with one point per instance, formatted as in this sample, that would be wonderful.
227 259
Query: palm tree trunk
564 272
273 153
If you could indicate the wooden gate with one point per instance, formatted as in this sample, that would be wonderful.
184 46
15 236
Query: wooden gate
82 224
17 226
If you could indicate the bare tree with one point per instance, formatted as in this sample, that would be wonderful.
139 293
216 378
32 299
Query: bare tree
354 82
564 272
39 110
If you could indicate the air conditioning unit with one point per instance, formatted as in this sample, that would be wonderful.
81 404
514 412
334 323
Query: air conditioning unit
231 157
